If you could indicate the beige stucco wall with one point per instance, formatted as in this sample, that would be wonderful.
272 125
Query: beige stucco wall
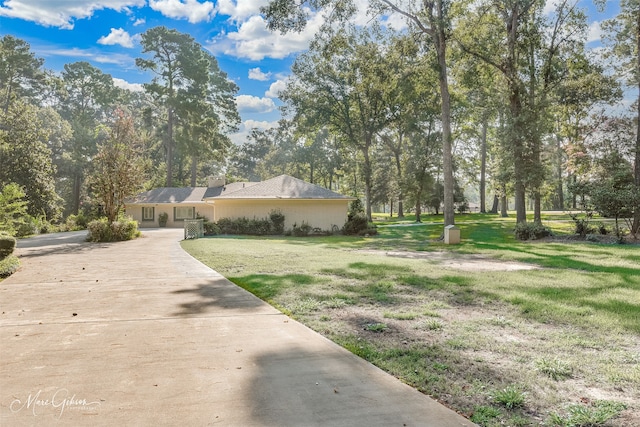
317 213
135 211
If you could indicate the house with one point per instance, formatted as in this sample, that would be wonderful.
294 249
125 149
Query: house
298 200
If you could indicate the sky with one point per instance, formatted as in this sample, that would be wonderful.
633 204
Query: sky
106 33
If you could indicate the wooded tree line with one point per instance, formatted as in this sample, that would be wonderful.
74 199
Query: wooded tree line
75 142
501 95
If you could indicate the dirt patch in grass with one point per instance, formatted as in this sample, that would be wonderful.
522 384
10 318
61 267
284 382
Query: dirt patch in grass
457 261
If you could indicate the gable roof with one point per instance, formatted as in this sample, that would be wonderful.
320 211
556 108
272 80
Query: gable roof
280 187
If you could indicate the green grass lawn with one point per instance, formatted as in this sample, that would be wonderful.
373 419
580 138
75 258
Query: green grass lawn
559 344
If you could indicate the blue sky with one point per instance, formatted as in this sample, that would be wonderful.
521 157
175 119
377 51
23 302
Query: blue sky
106 34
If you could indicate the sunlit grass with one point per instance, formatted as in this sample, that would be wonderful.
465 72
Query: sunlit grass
580 310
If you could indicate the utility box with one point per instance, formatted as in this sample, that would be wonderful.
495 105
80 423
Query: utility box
451 235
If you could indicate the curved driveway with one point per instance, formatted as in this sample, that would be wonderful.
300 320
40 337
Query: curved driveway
139 333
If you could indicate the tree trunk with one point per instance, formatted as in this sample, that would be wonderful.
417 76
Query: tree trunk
367 176
537 208
447 152
396 155
77 183
169 145
418 210
496 202
636 217
483 166
194 170
559 202
504 204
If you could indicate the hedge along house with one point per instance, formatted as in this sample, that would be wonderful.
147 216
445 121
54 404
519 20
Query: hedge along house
299 202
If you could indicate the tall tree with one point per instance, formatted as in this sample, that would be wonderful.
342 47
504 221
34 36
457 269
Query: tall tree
194 92
429 18
26 159
88 93
530 50
343 83
21 73
118 167
623 34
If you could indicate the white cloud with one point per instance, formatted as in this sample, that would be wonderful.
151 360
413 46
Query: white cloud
595 32
61 13
139 21
191 10
245 128
275 89
254 41
123 84
117 36
241 9
257 74
254 104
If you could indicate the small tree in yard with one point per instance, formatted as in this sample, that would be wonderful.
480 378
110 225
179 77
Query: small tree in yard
13 208
118 167
617 197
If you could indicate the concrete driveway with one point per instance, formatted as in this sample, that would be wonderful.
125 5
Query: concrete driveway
141 334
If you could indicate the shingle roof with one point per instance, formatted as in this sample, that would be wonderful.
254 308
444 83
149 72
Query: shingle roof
280 187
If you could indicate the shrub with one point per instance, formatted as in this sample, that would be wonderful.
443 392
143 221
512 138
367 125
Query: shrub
531 231
99 231
28 227
76 222
301 231
122 229
8 266
211 228
355 207
358 225
254 227
7 245
582 227
277 221
163 217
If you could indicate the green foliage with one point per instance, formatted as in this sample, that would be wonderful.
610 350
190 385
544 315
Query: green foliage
554 368
7 245
246 226
13 209
376 327
101 230
582 226
211 228
27 160
8 266
358 225
301 231
483 415
118 167
277 221
596 414
510 397
531 231
355 207
163 217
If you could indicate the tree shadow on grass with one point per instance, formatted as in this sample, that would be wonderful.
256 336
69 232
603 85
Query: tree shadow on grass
224 295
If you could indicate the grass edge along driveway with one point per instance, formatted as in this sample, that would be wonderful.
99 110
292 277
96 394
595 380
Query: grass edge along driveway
558 345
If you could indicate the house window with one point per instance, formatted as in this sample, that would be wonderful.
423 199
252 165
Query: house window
180 213
148 213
